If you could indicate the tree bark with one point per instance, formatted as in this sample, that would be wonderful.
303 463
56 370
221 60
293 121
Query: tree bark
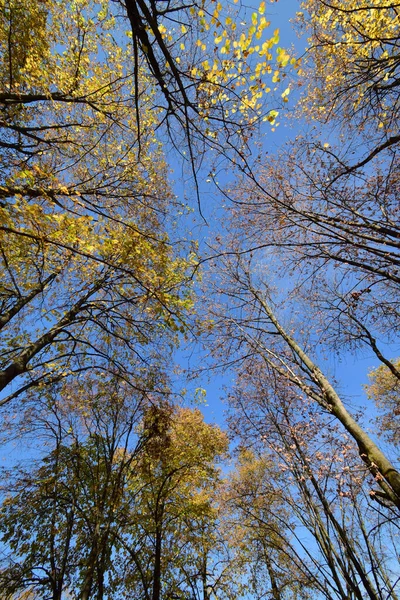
157 565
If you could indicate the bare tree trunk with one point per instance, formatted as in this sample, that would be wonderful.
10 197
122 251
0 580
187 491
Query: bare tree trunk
383 470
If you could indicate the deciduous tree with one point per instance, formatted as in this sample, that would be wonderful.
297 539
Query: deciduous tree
313 260
172 492
113 508
89 276
302 475
61 519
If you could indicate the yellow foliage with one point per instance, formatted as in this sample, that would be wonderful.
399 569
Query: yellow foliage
83 217
239 46
353 58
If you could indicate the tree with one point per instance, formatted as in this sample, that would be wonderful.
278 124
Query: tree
325 228
61 519
172 491
113 507
333 234
353 55
89 276
261 530
299 473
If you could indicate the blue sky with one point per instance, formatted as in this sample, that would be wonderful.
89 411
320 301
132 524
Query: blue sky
191 357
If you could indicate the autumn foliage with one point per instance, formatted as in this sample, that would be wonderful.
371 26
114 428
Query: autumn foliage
127 129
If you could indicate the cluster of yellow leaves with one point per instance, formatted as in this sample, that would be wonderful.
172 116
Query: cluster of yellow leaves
384 384
233 64
48 56
179 463
189 433
81 247
22 63
353 54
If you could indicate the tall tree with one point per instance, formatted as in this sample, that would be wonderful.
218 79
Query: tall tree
303 475
262 526
172 493
89 276
252 328
312 264
61 518
113 508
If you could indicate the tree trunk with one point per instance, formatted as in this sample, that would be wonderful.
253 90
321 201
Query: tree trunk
157 565
383 470
20 364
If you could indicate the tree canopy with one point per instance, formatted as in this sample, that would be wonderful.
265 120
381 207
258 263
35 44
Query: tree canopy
120 121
